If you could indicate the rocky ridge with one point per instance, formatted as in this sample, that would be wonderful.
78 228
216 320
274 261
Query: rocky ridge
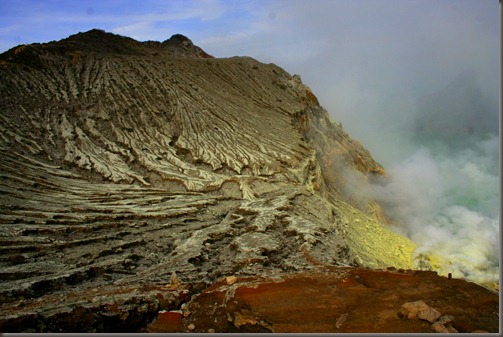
123 161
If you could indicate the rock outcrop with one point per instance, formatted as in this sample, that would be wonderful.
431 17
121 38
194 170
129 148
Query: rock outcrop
341 300
123 162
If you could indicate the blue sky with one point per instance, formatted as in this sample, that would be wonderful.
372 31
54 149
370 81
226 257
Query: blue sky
363 58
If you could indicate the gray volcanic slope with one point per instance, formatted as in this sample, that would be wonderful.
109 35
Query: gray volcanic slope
122 162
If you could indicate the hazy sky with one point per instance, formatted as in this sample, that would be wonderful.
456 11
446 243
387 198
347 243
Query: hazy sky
366 60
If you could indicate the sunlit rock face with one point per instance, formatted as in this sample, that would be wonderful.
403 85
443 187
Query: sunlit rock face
123 161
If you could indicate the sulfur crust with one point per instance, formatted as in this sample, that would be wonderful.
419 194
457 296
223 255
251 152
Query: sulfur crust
373 244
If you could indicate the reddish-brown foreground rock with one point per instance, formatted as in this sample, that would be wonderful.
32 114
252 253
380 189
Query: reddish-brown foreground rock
338 299
341 300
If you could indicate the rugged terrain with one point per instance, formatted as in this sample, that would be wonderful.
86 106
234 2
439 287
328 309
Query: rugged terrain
124 163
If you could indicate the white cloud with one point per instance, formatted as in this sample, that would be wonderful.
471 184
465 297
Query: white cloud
141 31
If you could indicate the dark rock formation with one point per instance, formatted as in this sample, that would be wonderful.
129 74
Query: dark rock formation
122 162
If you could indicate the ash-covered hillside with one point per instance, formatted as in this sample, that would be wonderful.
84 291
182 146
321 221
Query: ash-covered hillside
124 162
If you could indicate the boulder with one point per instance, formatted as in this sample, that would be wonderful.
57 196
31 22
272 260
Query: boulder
429 314
446 319
411 309
420 310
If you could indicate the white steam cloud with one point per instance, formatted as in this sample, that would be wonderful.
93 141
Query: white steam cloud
446 200
449 206
442 184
